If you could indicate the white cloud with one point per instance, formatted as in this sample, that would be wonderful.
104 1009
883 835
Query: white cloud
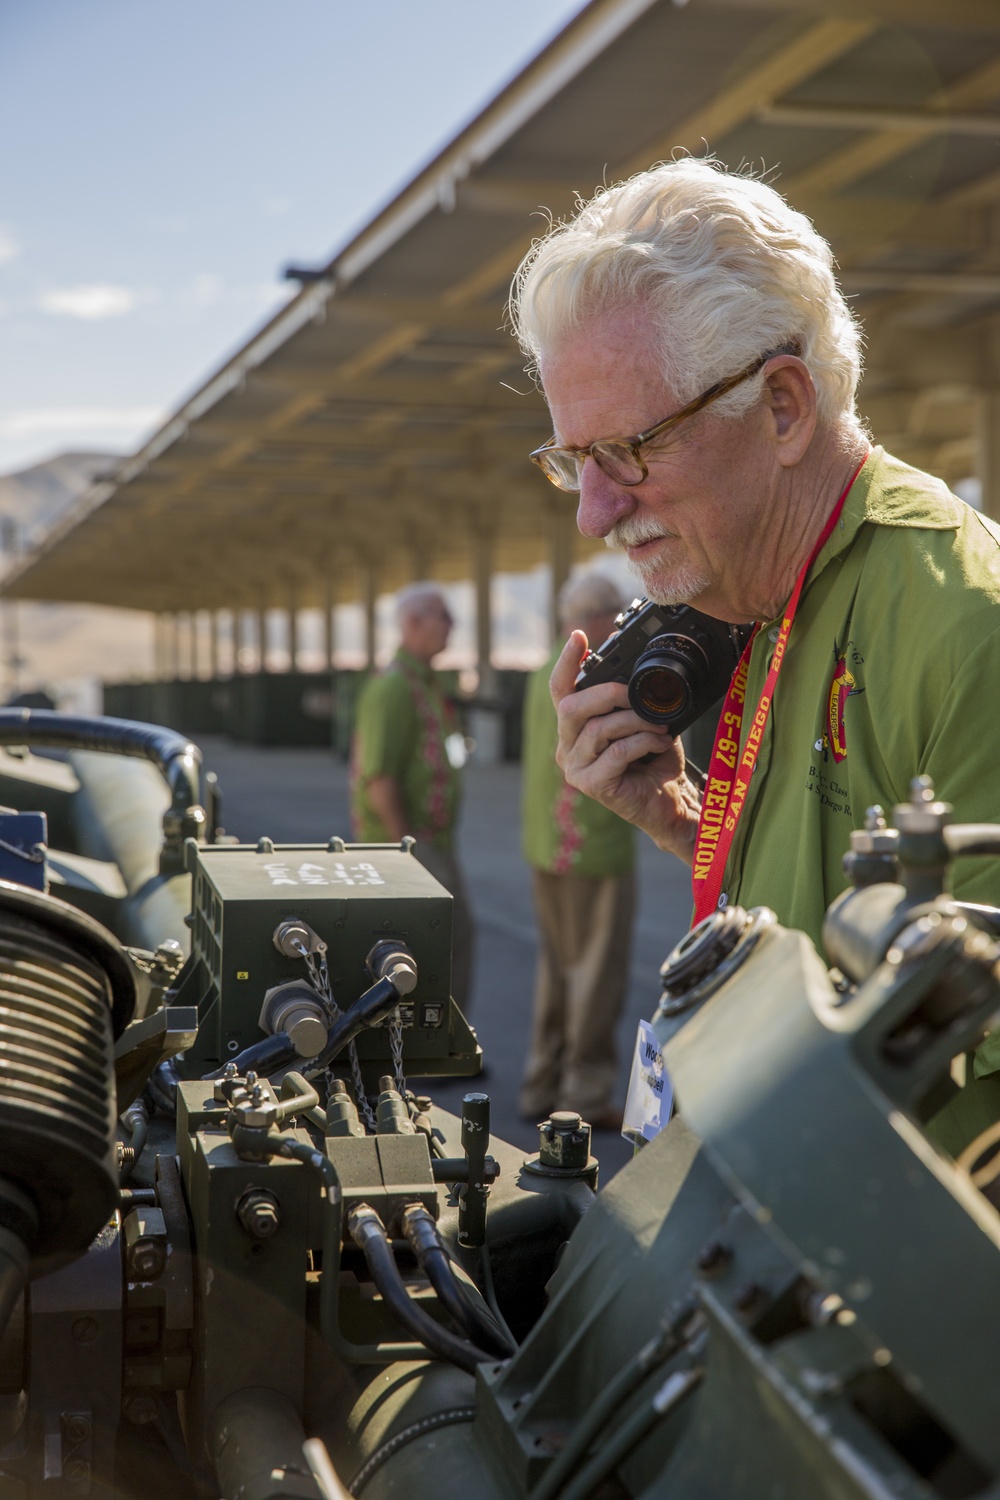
75 419
9 247
99 300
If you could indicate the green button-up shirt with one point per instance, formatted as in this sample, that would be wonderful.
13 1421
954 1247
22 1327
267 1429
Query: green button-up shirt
562 831
403 723
891 672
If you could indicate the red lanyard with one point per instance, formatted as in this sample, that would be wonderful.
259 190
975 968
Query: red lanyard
728 780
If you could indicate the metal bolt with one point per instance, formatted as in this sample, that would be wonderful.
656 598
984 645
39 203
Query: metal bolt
260 1214
85 1330
251 1079
229 1071
76 1471
713 1257
76 1430
564 1140
747 1296
146 1260
140 1407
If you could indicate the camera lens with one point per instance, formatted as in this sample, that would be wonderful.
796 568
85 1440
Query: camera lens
666 677
658 693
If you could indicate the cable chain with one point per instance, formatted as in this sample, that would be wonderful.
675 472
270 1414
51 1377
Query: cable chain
396 1043
319 974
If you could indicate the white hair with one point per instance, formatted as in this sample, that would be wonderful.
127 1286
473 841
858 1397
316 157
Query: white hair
588 595
412 602
722 267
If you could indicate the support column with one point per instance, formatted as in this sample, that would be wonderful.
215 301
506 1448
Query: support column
988 449
368 603
159 646
214 627
193 621
562 537
482 563
293 629
261 627
329 622
174 652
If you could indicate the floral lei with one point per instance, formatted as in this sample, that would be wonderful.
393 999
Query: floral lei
438 810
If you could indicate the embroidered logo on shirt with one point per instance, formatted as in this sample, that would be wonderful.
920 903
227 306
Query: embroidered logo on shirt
841 688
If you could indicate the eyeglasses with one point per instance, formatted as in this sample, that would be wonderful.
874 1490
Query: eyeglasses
620 457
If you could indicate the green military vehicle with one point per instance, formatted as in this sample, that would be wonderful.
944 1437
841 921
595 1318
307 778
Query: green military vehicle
242 1253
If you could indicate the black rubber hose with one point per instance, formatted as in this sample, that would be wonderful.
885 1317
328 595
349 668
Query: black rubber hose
173 754
368 1233
264 1057
370 1008
476 1323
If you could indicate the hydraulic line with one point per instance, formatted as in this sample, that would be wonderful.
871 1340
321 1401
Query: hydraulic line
476 1323
661 1347
329 1287
449 1418
136 1121
489 1292
671 1393
368 1233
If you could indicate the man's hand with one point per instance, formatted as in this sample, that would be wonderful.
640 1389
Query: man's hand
602 742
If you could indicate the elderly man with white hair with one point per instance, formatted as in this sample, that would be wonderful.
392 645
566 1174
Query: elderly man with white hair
582 860
700 366
407 756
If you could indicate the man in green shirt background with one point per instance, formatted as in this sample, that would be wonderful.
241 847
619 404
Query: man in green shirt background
406 760
582 860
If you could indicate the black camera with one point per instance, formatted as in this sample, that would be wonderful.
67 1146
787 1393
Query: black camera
676 661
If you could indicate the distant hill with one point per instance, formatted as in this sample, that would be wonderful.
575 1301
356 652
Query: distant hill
65 649
35 498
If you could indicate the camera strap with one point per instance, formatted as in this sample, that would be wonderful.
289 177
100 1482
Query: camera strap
728 780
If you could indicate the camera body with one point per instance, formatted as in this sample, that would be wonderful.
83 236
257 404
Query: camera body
676 661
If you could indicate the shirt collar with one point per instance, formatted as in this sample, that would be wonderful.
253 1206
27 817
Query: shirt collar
425 670
890 493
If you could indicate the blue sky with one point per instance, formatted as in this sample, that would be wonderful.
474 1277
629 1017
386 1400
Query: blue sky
160 162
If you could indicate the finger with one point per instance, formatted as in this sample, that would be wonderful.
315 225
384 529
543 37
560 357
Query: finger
563 678
598 733
624 752
576 708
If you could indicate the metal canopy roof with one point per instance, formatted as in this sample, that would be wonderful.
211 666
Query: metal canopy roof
369 423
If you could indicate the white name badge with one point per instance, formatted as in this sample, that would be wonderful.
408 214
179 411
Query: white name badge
456 750
650 1092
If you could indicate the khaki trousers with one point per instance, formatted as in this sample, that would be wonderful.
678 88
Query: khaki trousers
443 865
585 937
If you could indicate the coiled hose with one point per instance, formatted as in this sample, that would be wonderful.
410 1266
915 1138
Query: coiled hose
59 974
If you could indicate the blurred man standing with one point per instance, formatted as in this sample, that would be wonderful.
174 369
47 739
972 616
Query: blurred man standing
582 858
407 756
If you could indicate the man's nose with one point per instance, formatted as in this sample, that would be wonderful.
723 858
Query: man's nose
602 502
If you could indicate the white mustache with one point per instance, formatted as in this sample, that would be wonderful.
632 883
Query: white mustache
632 531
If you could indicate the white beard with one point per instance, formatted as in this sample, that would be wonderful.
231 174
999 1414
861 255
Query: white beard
660 582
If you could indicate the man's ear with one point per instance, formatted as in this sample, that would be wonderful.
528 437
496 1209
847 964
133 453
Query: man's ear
790 402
